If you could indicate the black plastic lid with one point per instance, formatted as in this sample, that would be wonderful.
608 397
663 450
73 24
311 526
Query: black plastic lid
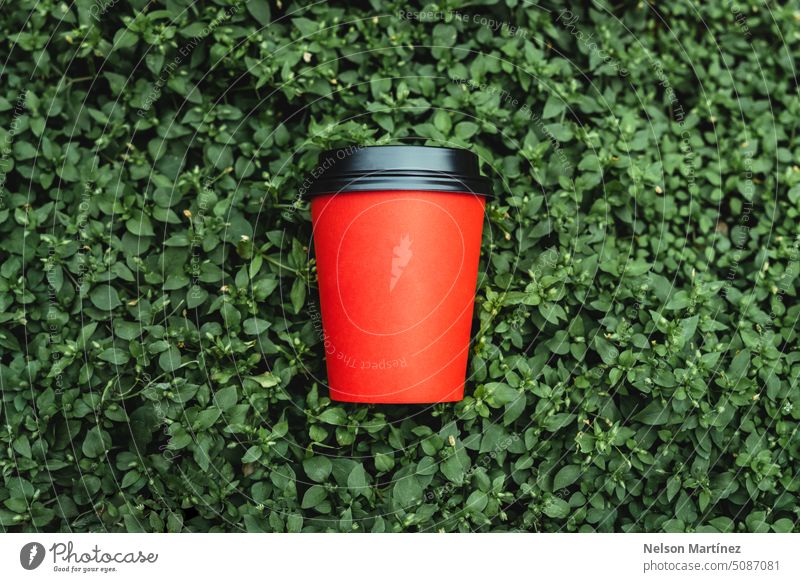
359 168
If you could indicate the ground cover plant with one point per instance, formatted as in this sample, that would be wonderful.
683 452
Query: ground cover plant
634 364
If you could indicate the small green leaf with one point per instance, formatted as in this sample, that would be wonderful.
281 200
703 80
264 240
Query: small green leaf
407 491
357 481
317 468
96 442
673 486
105 297
476 502
444 35
170 359
195 296
313 497
739 365
298 295
608 353
442 122
466 129
783 525
255 326
553 107
654 413
116 356
206 418
566 476
502 394
336 416
266 380
130 478
555 507
139 224
252 454
294 523
225 398
722 524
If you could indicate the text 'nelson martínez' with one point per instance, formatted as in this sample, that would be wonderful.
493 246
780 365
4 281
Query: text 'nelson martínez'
693 549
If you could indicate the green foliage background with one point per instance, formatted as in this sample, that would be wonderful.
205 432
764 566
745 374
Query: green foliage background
635 364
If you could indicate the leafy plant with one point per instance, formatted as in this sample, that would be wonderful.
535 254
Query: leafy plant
635 360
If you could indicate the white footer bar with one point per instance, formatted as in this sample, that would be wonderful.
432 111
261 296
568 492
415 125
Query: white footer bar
387 557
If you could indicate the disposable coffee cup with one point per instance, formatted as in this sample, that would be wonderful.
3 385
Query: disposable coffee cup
397 236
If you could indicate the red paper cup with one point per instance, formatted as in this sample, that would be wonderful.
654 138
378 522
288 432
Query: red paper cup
397 236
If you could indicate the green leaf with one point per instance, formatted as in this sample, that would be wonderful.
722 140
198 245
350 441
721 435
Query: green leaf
298 295
116 356
444 35
105 297
783 525
466 129
130 478
252 454
476 502
653 414
255 326
206 418
225 398
407 491
294 523
259 9
442 122
41 515
127 330
566 476
559 131
23 446
554 107
555 508
336 416
317 468
558 421
124 39
688 327
674 526
722 524
673 486
502 394
139 224
313 497
454 469
384 462
357 481
8 518
608 353
96 442
24 151
740 365
266 380
170 359
195 296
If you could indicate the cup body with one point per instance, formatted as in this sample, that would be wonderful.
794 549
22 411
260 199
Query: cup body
397 274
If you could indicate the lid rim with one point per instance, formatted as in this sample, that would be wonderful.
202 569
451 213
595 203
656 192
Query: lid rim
398 167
